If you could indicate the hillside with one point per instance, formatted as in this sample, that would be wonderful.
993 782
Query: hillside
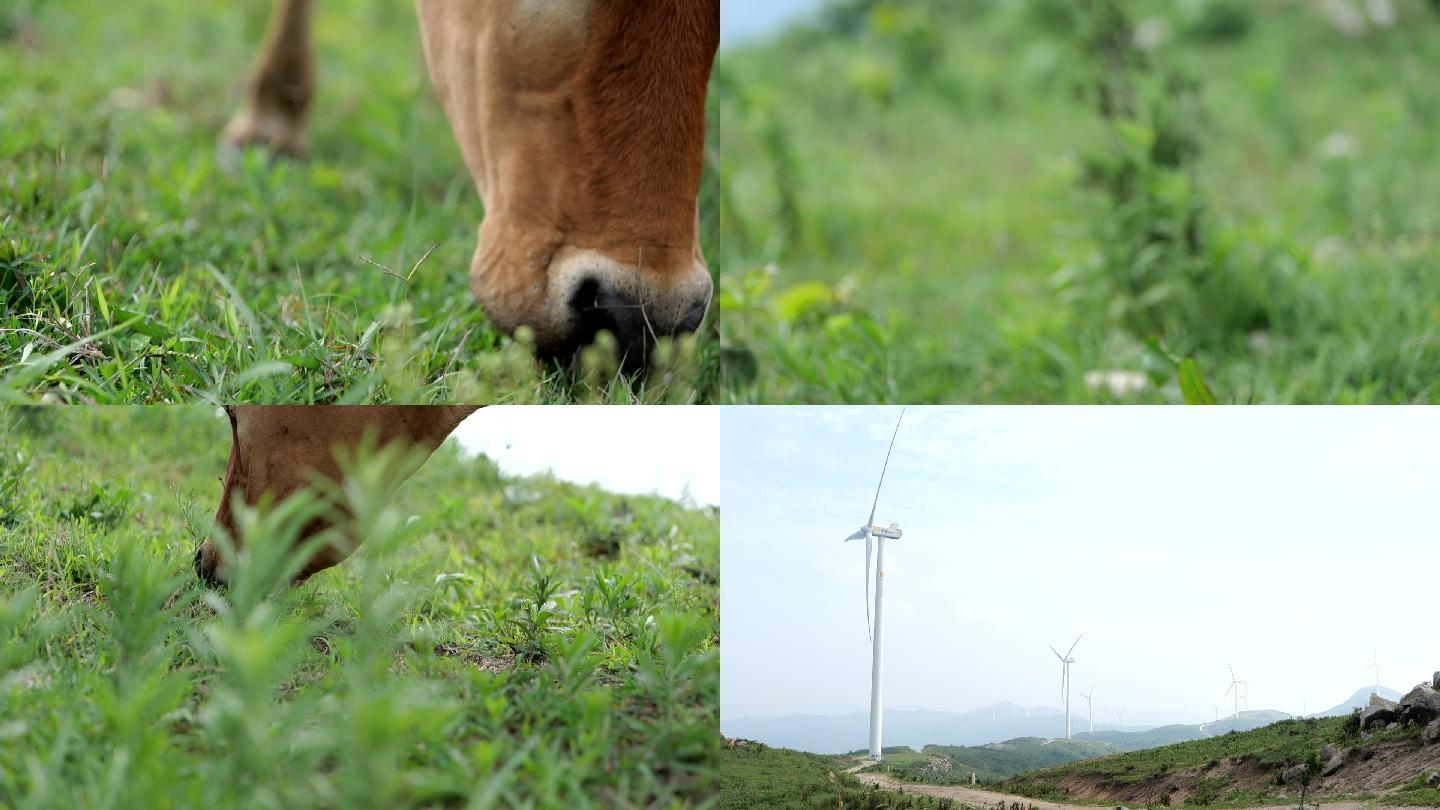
1247 767
953 764
756 775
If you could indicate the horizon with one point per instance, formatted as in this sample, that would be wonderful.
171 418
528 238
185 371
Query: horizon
1089 490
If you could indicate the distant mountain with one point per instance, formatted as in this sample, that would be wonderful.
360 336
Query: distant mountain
1166 735
836 734
1359 700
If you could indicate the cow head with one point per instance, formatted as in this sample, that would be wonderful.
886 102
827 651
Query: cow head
583 125
277 451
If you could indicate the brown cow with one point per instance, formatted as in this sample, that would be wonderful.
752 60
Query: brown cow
583 125
276 450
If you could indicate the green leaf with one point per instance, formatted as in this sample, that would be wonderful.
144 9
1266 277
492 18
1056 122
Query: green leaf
803 299
1192 384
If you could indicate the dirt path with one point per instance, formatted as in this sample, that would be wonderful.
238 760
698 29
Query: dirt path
978 797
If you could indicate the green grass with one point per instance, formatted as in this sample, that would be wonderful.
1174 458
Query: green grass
915 208
757 775
498 642
989 763
137 264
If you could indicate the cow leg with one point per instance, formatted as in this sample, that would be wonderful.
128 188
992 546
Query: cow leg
276 450
281 85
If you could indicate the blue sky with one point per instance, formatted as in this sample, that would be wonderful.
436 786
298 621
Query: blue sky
1284 541
746 19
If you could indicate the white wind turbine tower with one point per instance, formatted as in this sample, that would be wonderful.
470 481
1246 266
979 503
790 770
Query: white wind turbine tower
1376 666
883 533
1065 662
1235 685
1090 706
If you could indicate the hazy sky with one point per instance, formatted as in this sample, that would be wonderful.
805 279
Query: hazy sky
631 449
1294 543
746 19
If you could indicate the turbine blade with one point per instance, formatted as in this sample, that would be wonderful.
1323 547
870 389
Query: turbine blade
1057 653
857 535
1072 646
876 502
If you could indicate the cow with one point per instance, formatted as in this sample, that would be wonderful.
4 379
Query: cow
582 123
277 450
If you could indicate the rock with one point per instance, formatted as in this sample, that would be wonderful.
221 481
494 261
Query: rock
1435 681
1378 715
1433 780
1420 705
1392 726
1332 765
1431 734
1293 774
1328 753
1376 700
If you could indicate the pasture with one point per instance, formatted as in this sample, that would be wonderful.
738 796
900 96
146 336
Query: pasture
1050 201
498 642
138 264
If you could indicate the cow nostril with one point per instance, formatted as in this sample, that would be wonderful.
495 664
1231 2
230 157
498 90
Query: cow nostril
598 307
693 317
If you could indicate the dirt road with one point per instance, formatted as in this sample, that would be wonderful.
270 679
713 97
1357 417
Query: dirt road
978 797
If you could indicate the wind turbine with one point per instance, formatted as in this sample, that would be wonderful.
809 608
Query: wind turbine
1090 706
1376 666
1235 685
1065 662
883 533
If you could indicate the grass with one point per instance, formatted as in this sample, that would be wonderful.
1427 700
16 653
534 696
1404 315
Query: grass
1271 748
137 264
953 764
923 202
483 650
756 775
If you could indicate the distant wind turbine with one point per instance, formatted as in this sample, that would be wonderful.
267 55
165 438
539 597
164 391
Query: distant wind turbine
1090 706
1376 666
891 532
1235 685
1065 662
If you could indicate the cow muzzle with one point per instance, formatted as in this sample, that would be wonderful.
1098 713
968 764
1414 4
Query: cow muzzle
586 292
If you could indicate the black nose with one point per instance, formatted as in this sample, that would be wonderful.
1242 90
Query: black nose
636 325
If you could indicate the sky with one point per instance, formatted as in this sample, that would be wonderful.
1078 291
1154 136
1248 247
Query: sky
1297 544
651 449
746 19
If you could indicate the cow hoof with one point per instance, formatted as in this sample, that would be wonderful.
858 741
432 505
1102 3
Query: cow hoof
278 135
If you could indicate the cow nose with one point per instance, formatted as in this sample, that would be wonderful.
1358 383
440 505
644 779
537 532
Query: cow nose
635 324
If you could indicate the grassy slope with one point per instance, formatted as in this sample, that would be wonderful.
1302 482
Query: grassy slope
1263 753
990 763
486 659
928 214
760 776
242 279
